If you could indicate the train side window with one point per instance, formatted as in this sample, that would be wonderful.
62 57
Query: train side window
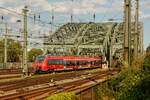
78 63
73 63
67 63
84 63
60 62
93 62
88 62
55 62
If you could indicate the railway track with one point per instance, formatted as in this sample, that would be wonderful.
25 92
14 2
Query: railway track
46 89
9 76
13 71
40 79
19 70
77 86
10 71
12 74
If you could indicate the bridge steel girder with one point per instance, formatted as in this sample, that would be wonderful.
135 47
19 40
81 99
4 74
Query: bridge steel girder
79 39
78 33
72 46
106 36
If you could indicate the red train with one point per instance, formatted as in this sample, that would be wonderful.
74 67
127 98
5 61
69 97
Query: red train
51 63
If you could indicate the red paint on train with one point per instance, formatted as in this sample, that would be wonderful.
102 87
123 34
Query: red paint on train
66 62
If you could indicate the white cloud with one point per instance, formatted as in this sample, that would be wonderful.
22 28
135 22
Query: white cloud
41 4
86 6
144 9
79 7
19 4
7 1
65 7
145 16
13 19
145 3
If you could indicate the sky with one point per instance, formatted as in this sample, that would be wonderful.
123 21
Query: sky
82 11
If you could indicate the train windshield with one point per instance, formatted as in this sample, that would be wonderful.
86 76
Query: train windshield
51 62
40 58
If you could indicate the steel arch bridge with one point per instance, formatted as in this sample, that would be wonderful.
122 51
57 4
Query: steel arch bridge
91 39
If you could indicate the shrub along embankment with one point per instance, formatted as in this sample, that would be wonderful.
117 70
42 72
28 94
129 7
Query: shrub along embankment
132 83
63 96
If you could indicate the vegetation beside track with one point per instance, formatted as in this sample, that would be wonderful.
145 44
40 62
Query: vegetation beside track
132 83
14 50
63 96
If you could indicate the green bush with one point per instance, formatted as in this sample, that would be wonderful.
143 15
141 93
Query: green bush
136 85
132 83
146 64
63 96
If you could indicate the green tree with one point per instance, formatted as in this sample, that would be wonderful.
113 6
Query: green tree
131 83
148 49
33 53
14 51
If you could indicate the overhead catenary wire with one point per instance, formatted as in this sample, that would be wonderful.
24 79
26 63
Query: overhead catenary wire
31 17
37 16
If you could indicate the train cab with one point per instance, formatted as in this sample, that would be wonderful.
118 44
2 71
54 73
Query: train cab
53 63
38 62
